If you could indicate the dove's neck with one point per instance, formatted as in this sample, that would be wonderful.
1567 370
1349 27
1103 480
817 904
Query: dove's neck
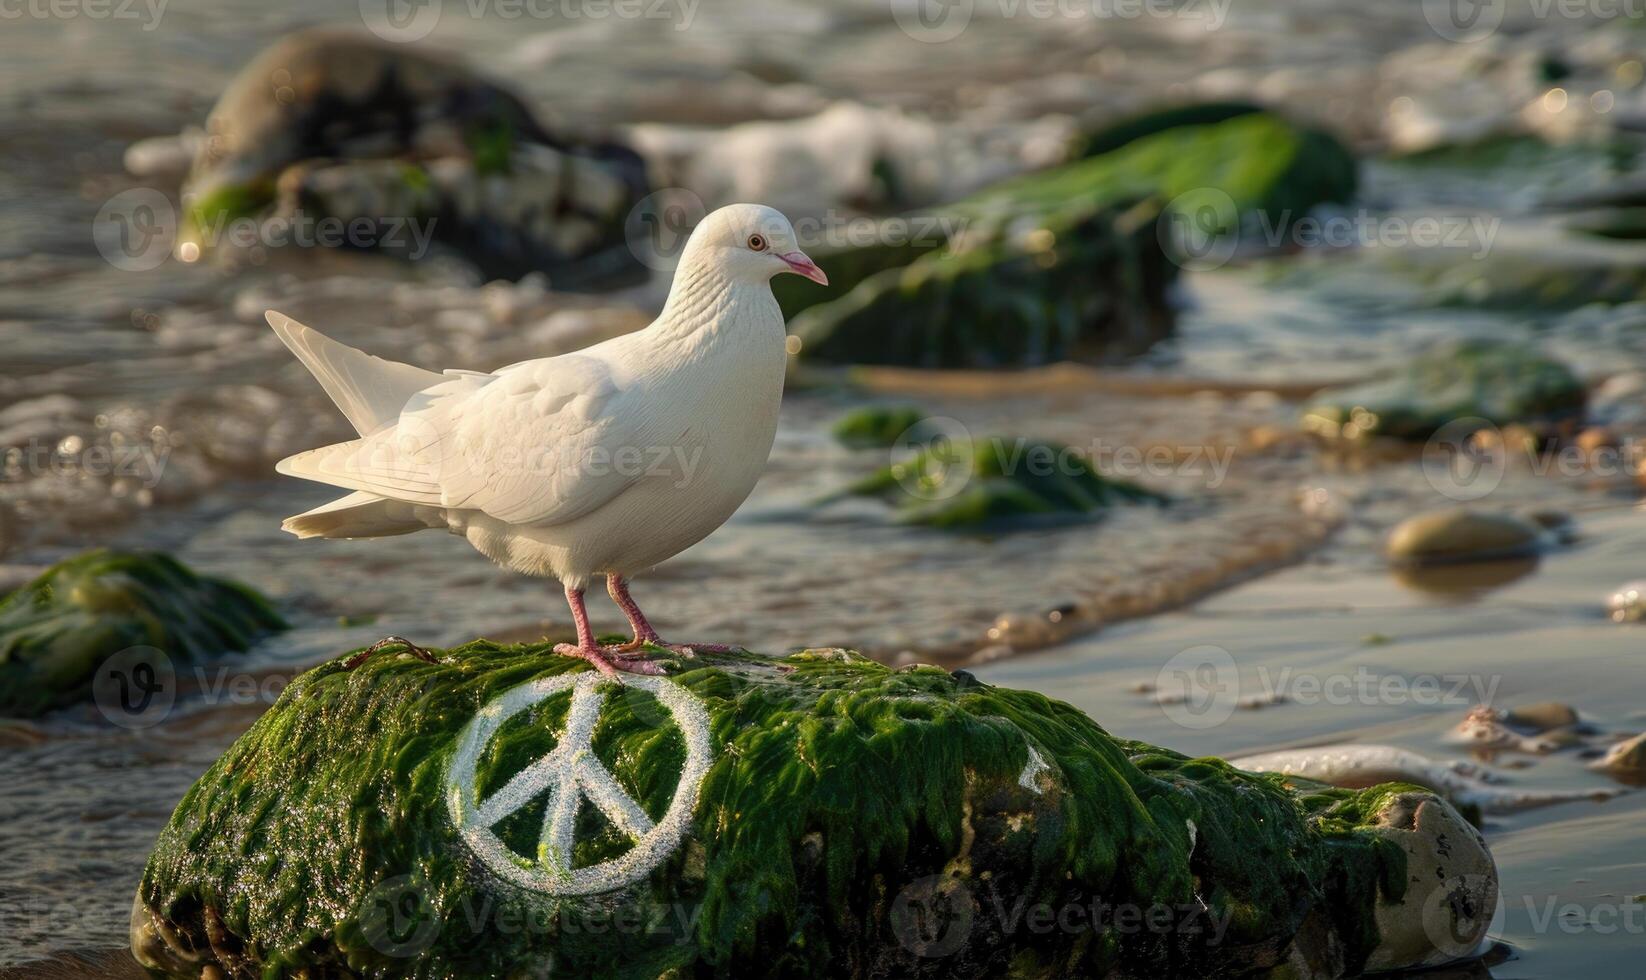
705 306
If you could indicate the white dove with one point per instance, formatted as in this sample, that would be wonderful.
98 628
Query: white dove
605 461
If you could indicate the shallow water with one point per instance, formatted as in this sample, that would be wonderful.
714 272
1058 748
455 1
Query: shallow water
173 371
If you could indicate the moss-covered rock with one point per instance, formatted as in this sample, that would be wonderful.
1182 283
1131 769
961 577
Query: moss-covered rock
877 426
821 814
1120 132
1065 264
55 631
336 125
1504 384
997 483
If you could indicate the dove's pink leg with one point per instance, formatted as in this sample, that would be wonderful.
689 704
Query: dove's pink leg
608 660
643 632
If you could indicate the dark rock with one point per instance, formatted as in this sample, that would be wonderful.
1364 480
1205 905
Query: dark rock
876 426
1065 264
336 124
1503 384
58 629
821 814
997 483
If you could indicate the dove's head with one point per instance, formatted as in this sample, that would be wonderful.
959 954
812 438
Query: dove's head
749 243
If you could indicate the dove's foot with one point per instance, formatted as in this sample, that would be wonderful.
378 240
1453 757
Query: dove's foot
680 649
644 635
609 660
389 641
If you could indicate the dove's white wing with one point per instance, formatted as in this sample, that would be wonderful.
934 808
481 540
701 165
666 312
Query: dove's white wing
532 445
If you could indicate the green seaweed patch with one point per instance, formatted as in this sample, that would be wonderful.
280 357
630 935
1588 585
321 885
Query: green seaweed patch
492 146
212 213
1121 132
1067 263
838 789
1502 383
55 631
878 426
997 482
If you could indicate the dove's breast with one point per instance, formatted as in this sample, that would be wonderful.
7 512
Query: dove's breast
715 419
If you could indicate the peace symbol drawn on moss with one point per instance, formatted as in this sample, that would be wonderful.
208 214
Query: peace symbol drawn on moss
571 773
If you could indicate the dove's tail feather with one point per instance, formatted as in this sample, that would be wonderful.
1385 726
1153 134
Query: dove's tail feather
369 390
357 515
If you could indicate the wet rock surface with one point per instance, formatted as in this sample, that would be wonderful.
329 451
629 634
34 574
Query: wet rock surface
334 124
997 483
1070 263
57 630
506 809
1478 382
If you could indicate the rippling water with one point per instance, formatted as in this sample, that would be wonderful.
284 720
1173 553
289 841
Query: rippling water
172 374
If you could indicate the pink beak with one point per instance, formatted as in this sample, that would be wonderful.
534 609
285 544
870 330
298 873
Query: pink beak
802 265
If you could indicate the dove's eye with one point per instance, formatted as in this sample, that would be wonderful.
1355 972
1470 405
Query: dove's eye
757 243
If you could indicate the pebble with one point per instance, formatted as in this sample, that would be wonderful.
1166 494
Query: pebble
1459 535
1625 757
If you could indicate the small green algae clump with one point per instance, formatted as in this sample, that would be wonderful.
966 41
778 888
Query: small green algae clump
877 426
1505 384
997 482
849 819
1067 264
55 631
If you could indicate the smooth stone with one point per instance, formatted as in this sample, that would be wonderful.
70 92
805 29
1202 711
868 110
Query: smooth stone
1542 716
1462 535
1626 758
1451 891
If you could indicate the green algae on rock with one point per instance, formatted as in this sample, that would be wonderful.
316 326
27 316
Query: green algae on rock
996 482
55 631
1065 264
473 818
877 426
329 124
1499 383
